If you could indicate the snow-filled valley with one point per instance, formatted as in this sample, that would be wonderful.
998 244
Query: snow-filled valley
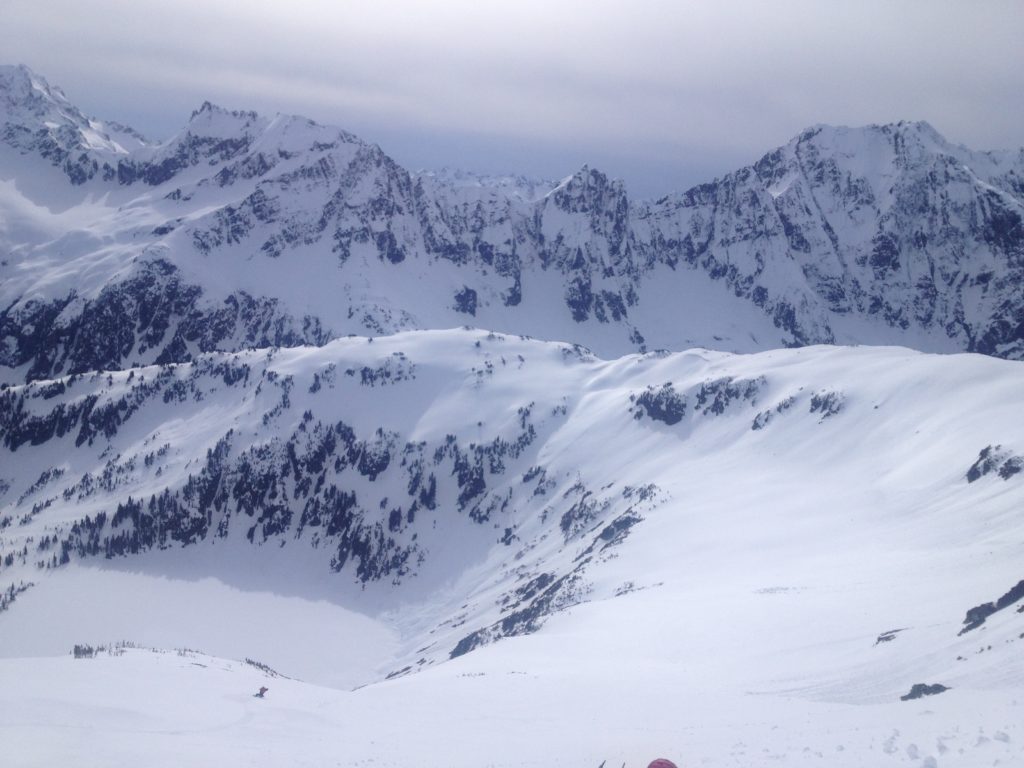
247 440
697 553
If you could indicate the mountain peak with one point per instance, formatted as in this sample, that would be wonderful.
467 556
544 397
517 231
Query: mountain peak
918 126
587 177
839 226
37 108
286 132
12 75
212 120
208 109
21 88
903 135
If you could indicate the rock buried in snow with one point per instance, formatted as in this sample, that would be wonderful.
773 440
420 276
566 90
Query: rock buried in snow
994 458
887 636
977 615
920 690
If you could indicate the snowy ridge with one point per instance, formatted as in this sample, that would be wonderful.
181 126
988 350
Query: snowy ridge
231 418
38 117
364 452
468 495
884 234
885 222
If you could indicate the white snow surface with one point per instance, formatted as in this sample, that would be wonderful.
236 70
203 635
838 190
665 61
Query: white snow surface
738 622
880 234
726 559
26 98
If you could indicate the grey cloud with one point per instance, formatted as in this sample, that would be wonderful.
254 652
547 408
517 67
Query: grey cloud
663 93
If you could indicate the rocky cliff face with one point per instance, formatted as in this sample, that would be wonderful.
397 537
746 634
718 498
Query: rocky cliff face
845 232
244 230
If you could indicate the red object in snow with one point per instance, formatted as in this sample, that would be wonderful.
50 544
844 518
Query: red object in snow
662 763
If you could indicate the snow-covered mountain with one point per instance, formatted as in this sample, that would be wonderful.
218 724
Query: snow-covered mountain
814 529
246 231
238 413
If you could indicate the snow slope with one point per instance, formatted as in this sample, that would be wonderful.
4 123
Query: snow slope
441 546
246 231
698 554
170 708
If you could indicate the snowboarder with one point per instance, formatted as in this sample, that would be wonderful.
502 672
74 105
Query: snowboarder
264 689
662 763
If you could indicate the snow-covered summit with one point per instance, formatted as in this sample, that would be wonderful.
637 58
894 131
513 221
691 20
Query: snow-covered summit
290 132
915 136
224 393
25 94
21 87
809 534
35 113
246 229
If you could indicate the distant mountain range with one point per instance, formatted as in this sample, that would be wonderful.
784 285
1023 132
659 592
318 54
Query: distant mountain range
239 411
245 231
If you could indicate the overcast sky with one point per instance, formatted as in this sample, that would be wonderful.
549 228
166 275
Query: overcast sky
663 94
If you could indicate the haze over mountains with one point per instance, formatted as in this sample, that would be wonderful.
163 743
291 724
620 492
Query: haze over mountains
237 384
120 252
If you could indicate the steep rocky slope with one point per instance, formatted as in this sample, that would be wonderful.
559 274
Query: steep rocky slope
246 231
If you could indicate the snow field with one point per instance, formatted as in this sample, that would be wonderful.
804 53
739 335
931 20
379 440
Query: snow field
738 623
